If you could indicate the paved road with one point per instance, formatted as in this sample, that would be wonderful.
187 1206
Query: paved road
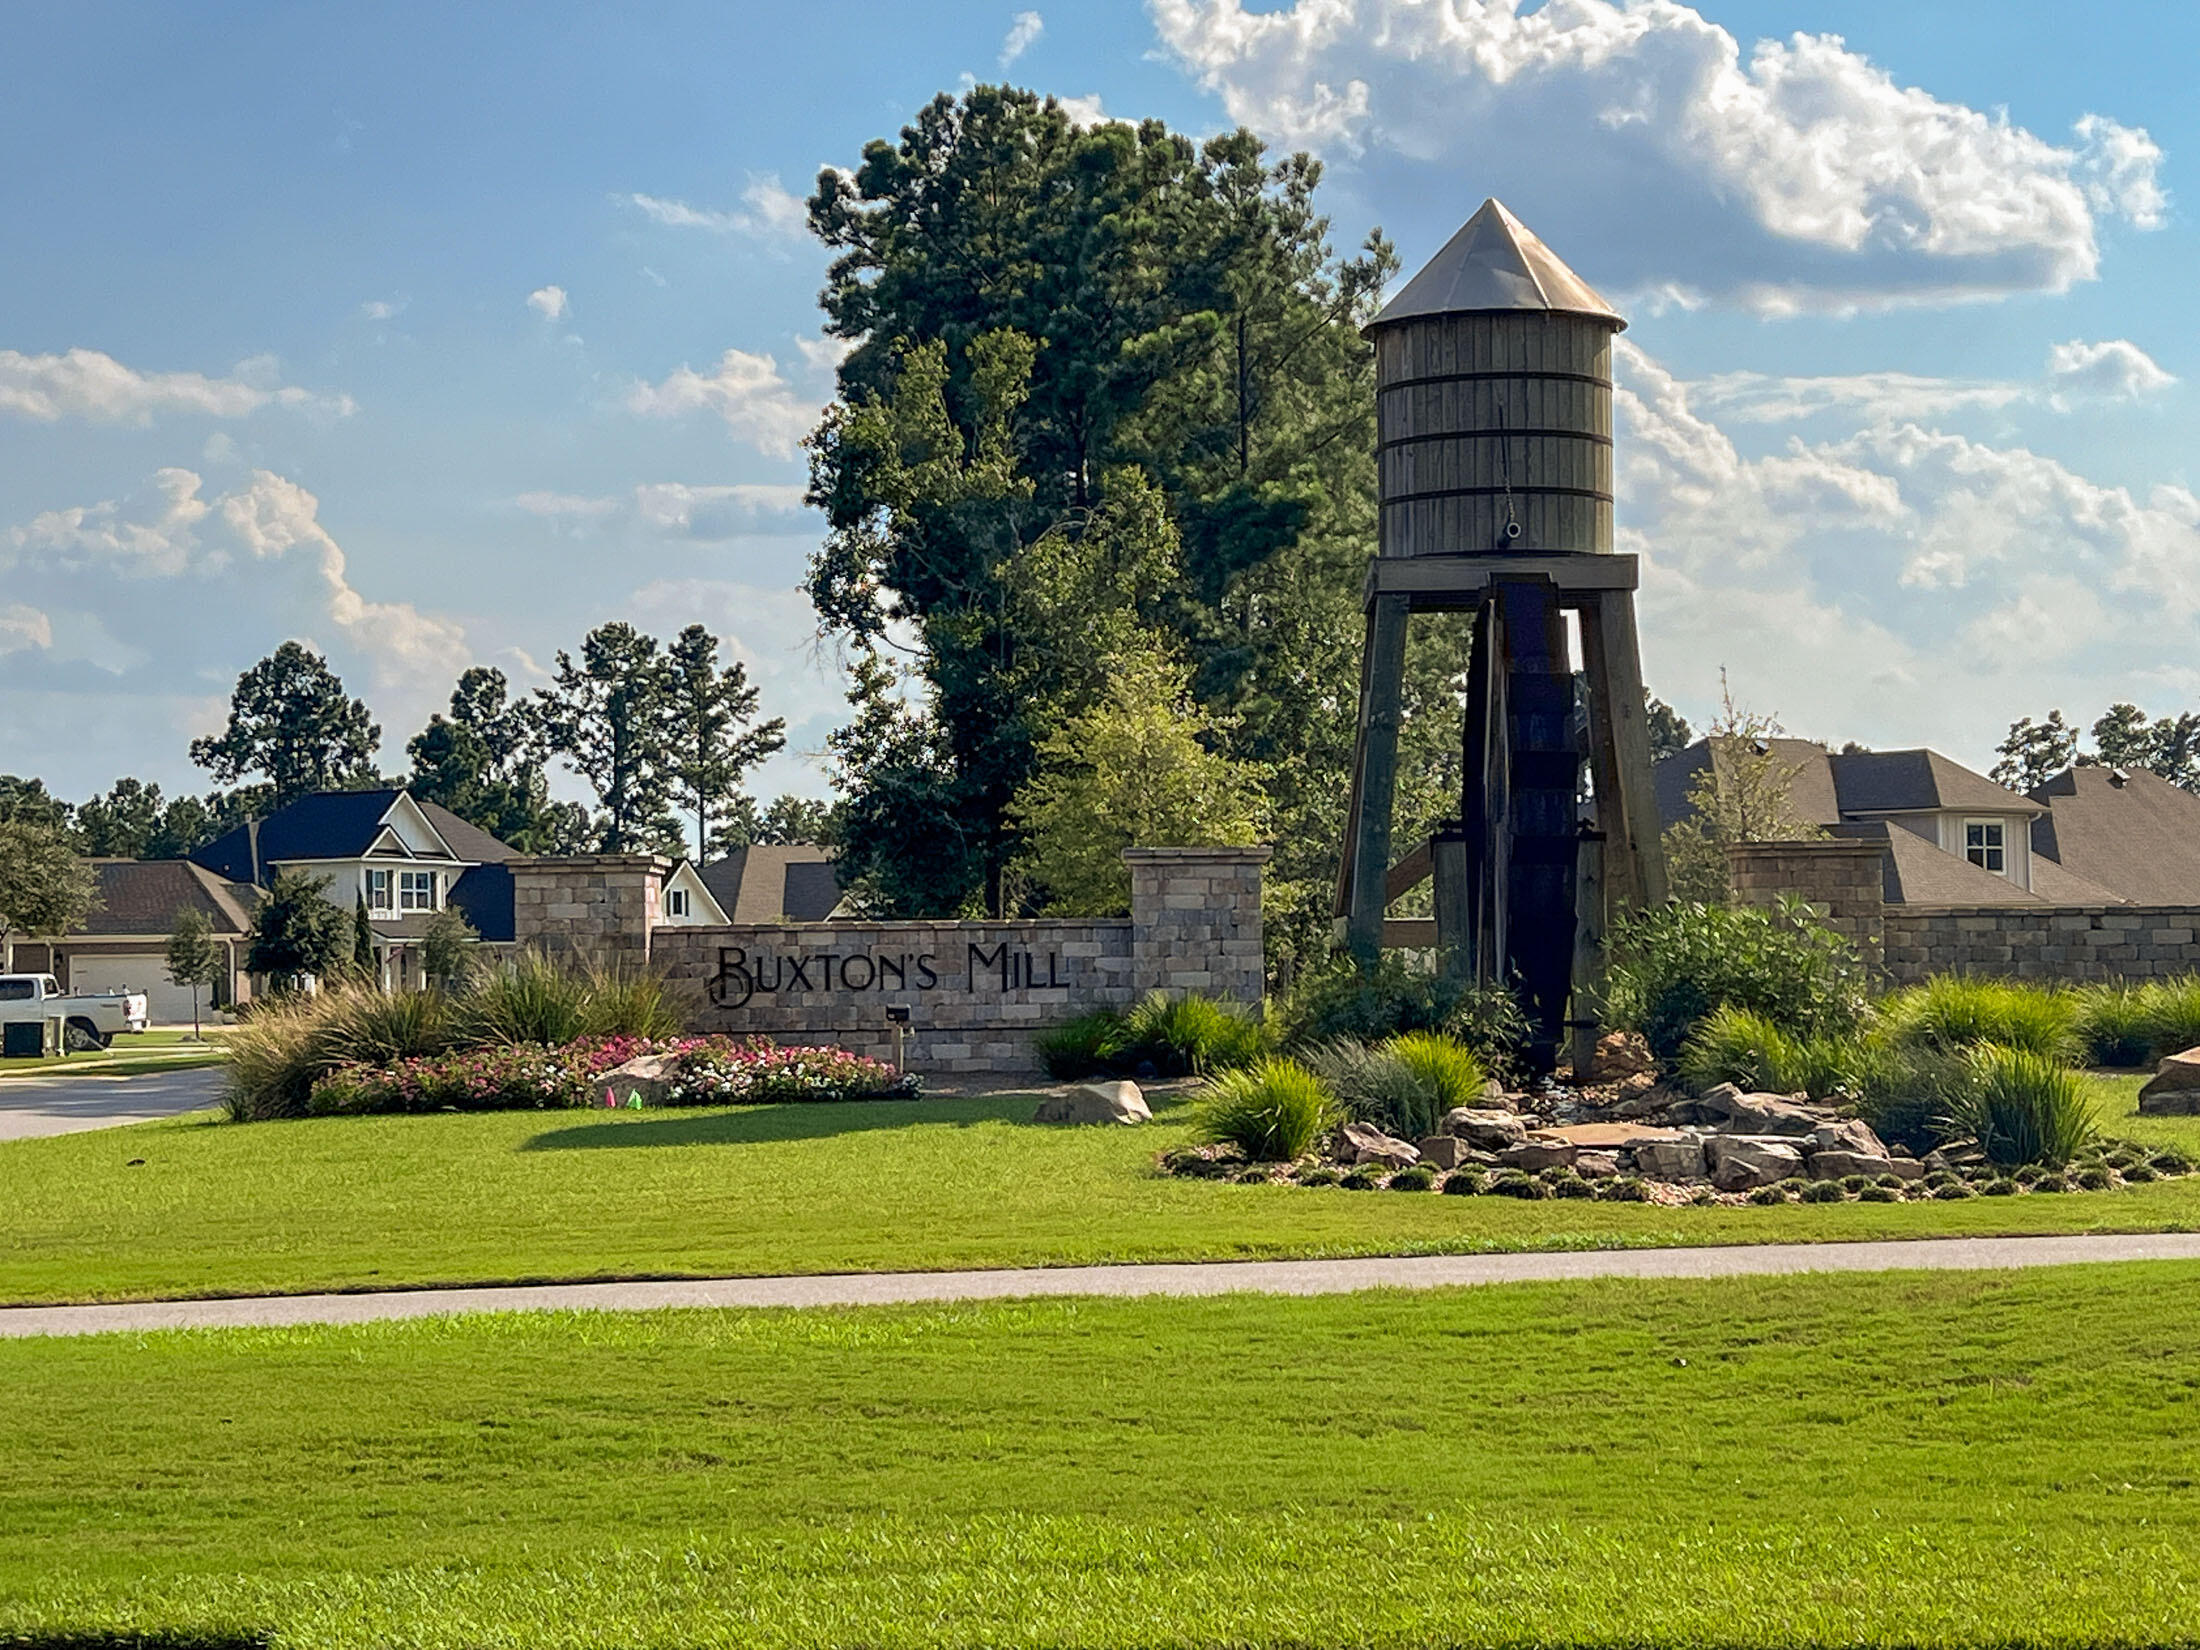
1288 1277
31 1107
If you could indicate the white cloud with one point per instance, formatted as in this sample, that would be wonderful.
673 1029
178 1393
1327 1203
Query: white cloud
823 355
91 385
151 535
549 302
768 211
1086 110
382 309
2115 369
746 391
23 627
712 513
1796 176
566 506
1022 35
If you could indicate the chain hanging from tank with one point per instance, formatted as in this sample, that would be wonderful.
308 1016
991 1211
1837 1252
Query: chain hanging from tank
1511 529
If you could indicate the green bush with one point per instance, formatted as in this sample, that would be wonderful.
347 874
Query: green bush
1463 1183
1418 1178
1512 1183
2095 1180
1573 1186
1272 1112
524 999
1954 1012
1375 1086
2170 1162
2113 1025
1361 1180
1906 1093
1855 1182
1999 1186
1084 1047
1322 1176
2172 1012
358 1025
1953 1192
1825 1191
275 1058
2022 1107
1751 1051
1626 1189
617 1002
1766 1196
2051 1183
1876 1193
1191 1036
1446 1067
2139 1175
1673 968
1342 1000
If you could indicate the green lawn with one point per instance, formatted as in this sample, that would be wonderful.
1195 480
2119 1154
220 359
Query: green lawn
1917 1459
132 1052
377 1202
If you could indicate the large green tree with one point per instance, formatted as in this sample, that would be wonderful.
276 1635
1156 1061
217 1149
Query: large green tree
609 714
291 722
484 761
297 930
716 737
1044 319
44 887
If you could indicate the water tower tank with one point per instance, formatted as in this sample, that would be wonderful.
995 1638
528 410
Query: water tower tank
1493 378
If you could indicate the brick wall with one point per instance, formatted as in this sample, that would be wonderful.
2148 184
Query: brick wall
1843 881
977 993
2111 942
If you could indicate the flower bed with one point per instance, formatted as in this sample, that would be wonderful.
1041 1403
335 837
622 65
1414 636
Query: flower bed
695 1071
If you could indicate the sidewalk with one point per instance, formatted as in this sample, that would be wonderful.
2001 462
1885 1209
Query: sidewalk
1283 1277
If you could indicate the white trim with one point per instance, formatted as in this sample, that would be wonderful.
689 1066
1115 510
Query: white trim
703 907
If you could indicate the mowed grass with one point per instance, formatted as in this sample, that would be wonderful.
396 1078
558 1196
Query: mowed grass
132 1052
380 1202
1914 1458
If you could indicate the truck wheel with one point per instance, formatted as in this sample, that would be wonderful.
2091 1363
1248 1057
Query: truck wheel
81 1037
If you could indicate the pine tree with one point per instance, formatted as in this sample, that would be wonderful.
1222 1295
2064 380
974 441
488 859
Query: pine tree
609 715
716 737
291 721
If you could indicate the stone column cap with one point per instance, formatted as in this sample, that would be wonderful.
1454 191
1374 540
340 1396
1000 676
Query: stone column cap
590 862
1258 854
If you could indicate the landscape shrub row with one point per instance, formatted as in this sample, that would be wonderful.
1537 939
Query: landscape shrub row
1159 1036
698 1071
1280 1109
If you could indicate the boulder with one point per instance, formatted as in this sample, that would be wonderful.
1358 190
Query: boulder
2174 1089
1365 1143
1619 1055
1904 1168
1446 1151
1851 1134
1096 1103
1834 1164
1668 1160
1770 1114
1741 1162
644 1078
1537 1155
1596 1165
1489 1131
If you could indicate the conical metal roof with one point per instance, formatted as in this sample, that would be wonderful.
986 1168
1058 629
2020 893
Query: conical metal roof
1495 262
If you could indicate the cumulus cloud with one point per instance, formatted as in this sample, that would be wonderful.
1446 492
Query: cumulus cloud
768 210
746 391
1022 35
381 309
94 386
674 509
549 302
1897 583
1086 110
1797 175
23 627
152 534
2113 370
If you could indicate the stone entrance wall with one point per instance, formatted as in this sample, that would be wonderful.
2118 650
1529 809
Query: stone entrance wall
976 993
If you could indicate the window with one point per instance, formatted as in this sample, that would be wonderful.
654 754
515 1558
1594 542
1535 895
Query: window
18 991
676 902
1984 845
378 891
416 890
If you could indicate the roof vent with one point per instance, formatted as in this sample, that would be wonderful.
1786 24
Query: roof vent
2119 777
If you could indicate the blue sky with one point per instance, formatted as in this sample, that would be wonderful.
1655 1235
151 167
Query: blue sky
438 334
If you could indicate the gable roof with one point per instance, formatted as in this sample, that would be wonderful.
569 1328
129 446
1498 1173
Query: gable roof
1919 872
2131 832
336 825
1811 790
1916 781
1495 262
774 882
146 896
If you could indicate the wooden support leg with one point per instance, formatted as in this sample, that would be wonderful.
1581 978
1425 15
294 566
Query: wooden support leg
1585 1013
1455 959
1381 707
1631 828
1620 892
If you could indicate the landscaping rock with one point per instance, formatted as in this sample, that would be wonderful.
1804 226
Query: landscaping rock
1904 1168
2174 1089
1119 1102
1832 1165
1770 1114
1619 1055
1446 1151
1365 1143
643 1077
1597 1165
1850 1134
1489 1131
1668 1160
1538 1155
1740 1163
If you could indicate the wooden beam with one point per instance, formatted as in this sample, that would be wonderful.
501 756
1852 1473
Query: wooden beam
1620 889
1409 933
1637 837
1454 872
1381 709
1459 581
1409 873
1585 1009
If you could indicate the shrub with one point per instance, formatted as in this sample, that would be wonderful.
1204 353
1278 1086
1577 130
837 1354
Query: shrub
1955 1012
2170 1162
1083 1047
1626 1189
1573 1186
518 1078
358 1025
1907 1092
2113 1027
1462 1183
1361 1180
1446 1067
1892 1182
1512 1183
2139 1175
717 1071
1255 1174
2029 1172
1342 1000
1320 1177
1703 1198
1192 1036
2023 1107
1749 1050
1195 1164
1673 968
274 1060
1419 1178
1937 1179
1876 1193
1825 1191
1766 1196
1855 1182
1953 1191
2095 1180
1999 1186
617 1002
523 999
1273 1111
2051 1183
2172 1012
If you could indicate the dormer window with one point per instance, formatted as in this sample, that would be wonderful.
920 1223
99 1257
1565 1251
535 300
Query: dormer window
416 890
676 902
1985 845
378 891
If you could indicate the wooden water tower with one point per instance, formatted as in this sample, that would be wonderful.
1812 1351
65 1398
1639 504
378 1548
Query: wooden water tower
1493 382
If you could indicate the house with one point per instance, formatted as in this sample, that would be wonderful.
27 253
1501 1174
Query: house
2129 831
1951 836
685 900
775 882
123 944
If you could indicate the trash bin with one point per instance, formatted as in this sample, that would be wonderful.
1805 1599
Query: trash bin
30 1039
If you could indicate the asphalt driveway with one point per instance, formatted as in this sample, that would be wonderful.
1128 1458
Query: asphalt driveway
32 1107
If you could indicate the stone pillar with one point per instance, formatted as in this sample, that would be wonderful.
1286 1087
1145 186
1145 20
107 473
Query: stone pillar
1843 879
1196 922
589 908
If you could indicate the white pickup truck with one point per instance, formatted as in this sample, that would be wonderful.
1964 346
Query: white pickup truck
88 1020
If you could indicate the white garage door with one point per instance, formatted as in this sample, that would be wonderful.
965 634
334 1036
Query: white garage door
167 1005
